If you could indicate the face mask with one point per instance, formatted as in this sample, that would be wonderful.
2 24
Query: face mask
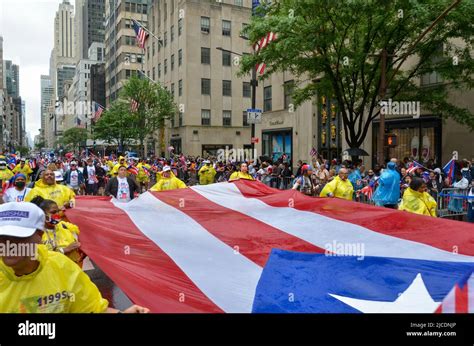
54 219
20 184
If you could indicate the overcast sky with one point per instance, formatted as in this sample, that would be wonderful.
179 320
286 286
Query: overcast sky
27 28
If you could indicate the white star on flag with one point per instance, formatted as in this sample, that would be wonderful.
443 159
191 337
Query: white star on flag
415 299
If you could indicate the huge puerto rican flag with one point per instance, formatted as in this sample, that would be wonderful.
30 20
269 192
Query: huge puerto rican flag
245 247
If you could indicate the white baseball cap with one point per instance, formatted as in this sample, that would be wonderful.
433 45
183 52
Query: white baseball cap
20 219
166 168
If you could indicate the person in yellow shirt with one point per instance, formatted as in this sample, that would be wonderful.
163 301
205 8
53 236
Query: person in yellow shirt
143 176
59 235
110 166
242 174
416 200
47 188
121 162
5 173
168 181
207 173
23 168
339 187
38 280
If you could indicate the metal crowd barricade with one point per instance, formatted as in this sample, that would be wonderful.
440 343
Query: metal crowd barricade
284 183
452 202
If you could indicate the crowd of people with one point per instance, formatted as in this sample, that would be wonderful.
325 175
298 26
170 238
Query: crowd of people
392 185
37 191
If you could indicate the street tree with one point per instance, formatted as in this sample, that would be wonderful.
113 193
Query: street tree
74 137
333 48
115 126
155 107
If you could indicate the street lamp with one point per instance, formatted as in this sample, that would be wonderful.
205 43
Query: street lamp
253 84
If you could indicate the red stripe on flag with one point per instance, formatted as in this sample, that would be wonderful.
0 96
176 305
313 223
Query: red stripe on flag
461 299
441 233
135 263
254 239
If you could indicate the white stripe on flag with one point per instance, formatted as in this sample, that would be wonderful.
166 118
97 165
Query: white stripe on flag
229 279
323 231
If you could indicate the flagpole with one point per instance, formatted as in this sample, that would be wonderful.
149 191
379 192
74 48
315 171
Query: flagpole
144 74
148 31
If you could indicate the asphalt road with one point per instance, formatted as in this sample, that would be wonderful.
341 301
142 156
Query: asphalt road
110 291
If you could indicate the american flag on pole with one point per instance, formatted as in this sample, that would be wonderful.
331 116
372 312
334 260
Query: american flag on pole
134 106
413 167
255 249
261 44
98 110
141 34
313 152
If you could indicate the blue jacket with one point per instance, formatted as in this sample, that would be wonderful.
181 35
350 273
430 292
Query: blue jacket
356 179
388 191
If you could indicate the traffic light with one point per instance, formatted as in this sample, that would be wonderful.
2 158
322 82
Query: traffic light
391 140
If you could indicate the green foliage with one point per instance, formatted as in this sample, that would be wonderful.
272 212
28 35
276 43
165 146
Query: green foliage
333 48
120 125
74 137
115 125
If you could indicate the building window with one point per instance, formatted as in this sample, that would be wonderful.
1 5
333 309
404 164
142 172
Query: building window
227 118
226 27
166 66
153 48
166 38
172 62
159 71
180 87
180 57
238 2
244 119
246 90
226 58
172 33
267 99
206 117
180 119
154 72
205 55
180 26
205 86
288 88
172 90
227 88
205 24
172 120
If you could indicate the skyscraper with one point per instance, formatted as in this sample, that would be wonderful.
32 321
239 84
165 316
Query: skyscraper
90 25
64 31
12 78
47 93
123 57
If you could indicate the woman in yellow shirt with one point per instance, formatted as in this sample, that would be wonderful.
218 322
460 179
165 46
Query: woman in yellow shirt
242 174
417 200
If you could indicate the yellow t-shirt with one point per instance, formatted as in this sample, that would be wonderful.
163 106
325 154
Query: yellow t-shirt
171 183
63 235
61 194
240 175
26 170
339 188
57 286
